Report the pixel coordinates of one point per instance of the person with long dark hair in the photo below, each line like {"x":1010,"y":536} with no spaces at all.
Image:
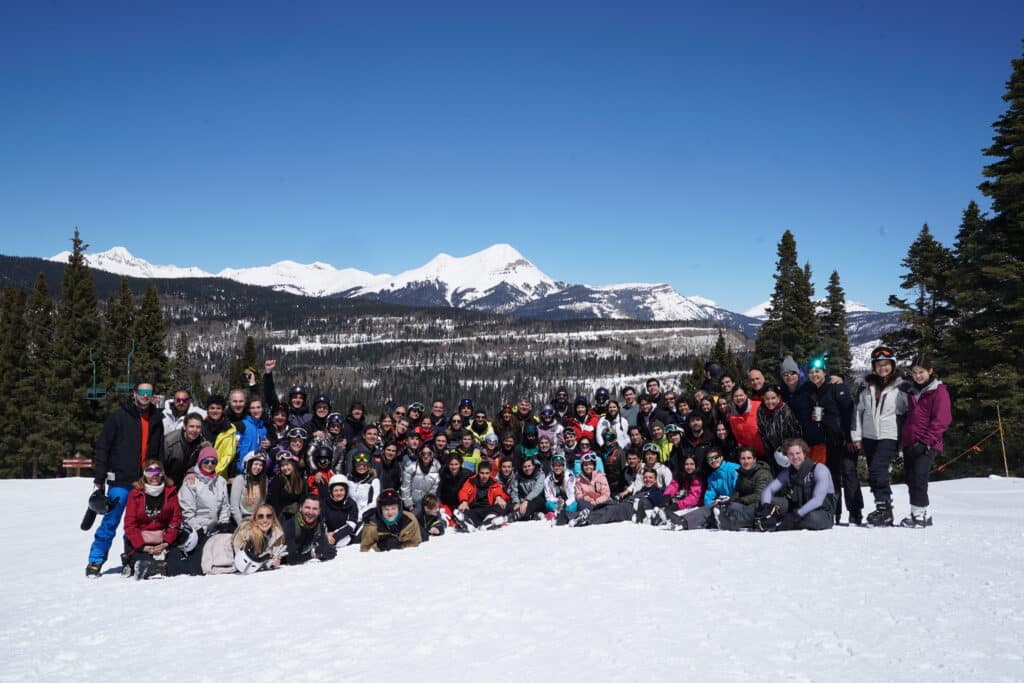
{"x":928,"y":418}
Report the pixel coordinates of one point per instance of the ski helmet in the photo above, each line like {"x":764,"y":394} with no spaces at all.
{"x":100,"y":503}
{"x":322,"y":398}
{"x":581,"y":400}
{"x":601,"y":396}
{"x":335,"y":418}
{"x":781,"y":459}
{"x":297,"y":390}
{"x":188,"y":538}
{"x":338,"y":480}
{"x":322,"y":456}
{"x":548,"y":411}
{"x":881,"y":353}
{"x":491,"y":439}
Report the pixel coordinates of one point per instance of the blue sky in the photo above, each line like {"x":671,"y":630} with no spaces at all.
{"x":626,"y":142}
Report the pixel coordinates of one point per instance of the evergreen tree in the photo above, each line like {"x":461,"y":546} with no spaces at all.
{"x":13,"y":349}
{"x":198,"y":389}
{"x":118,"y":328}
{"x":181,"y":373}
{"x":723,"y":354}
{"x":791,"y":327}
{"x":78,"y":330}
{"x":150,"y":361}
{"x":927,"y":265}
{"x":247,"y":359}
{"x":835,"y":344}
{"x":40,"y":450}
{"x":695,"y":379}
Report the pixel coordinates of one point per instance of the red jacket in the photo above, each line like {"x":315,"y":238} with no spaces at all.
{"x":467,"y":494}
{"x":586,"y":428}
{"x":744,"y":428}
{"x":136,"y":520}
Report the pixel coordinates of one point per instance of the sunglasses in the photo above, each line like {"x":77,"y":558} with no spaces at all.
{"x":264,"y":516}
{"x":154,"y":471}
{"x":208,"y":461}
{"x":143,"y":392}
{"x":180,"y":401}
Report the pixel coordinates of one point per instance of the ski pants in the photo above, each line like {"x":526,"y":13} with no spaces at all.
{"x":104,"y":537}
{"x":916,"y":468}
{"x":843,"y":466}
{"x":815,"y":520}
{"x":611,"y":512}
{"x":477,"y":515}
{"x":737,"y":516}
{"x":533,"y":506}
{"x":879,"y":454}
{"x":697,"y":518}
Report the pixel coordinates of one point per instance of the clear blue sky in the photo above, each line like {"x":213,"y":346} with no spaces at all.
{"x":630,"y":142}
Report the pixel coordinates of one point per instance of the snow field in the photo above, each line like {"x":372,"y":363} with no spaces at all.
{"x":531,"y":602}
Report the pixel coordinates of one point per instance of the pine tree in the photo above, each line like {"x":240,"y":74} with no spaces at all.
{"x":181,"y":373}
{"x":78,"y":330}
{"x":198,"y":389}
{"x":791,"y":327}
{"x":150,"y":362}
{"x":13,"y":349}
{"x":835,"y":344}
{"x":927,"y":265}
{"x":118,"y":328}
{"x":40,"y":450}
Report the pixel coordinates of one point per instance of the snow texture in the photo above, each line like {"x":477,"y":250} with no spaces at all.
{"x":532,"y":602}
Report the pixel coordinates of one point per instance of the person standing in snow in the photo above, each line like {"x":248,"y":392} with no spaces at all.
{"x":131,"y":435}
{"x":928,"y":418}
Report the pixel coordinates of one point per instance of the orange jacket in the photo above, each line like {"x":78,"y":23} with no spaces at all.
{"x":467,"y":494}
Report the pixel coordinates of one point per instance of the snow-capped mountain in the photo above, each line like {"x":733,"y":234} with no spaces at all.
{"x":312,"y":279}
{"x":760,"y":311}
{"x":120,"y":261}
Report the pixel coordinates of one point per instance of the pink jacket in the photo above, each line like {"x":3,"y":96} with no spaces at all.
{"x":691,"y":497}
{"x":595,"y":487}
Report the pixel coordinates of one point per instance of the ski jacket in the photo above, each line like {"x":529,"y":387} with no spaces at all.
{"x":179,"y":455}
{"x":686,"y":492}
{"x":223,"y":436}
{"x":241,"y":502}
{"x":587,"y":427}
{"x":137,"y":519}
{"x":775,"y":426}
{"x":721,"y":481}
{"x":618,"y":424}
{"x":450,"y":485}
{"x":614,"y":460}
{"x":567,"y":492}
{"x":389,"y":473}
{"x":750,"y":483}
{"x":365,"y":493}
{"x":283,"y":502}
{"x":595,"y":486}
{"x":643,"y":422}
{"x":479,"y":436}
{"x":470,"y":490}
{"x":529,"y":488}
{"x":341,"y":519}
{"x":378,"y":535}
{"x":878,"y":410}
{"x":664,"y":477}
{"x":249,"y":440}
{"x":834,"y":428}
{"x":204,"y":502}
{"x":807,"y":489}
{"x":428,"y":522}
{"x":928,"y":414}
{"x":173,"y":422}
{"x":553,"y":431}
{"x":416,"y":483}
{"x":744,"y":427}
{"x":306,"y":543}
{"x":119,"y":453}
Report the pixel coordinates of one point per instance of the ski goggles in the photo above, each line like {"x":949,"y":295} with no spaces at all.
{"x":883,"y":353}
{"x":298,"y":433}
{"x":154,"y":471}
{"x":651,"y":448}
{"x":588,"y":457}
{"x":361,"y":457}
{"x":417,"y":406}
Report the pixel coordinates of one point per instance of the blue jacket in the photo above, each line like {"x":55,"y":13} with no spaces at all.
{"x":721,"y":482}
{"x":249,"y":441}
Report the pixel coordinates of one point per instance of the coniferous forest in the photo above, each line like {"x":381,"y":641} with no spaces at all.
{"x":72,"y":340}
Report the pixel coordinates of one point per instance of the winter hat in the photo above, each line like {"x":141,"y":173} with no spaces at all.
{"x":215,"y":400}
{"x":388,"y":497}
{"x":530,"y":428}
{"x":788,"y":365}
{"x":581,"y":400}
{"x":206,"y":452}
{"x":250,"y":457}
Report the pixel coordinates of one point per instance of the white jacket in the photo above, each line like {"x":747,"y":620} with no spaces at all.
{"x":171,"y":423}
{"x":877,"y":420}
{"x":619,"y":425}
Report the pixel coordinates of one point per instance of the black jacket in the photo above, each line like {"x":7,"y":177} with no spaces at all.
{"x":118,"y":457}
{"x":306,"y":543}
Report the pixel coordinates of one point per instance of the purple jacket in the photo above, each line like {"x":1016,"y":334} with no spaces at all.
{"x":928,"y":414}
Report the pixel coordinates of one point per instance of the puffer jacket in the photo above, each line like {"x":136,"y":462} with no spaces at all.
{"x":928,"y":414}
{"x":876,"y":415}
{"x":594,"y":486}
{"x":364,"y":492}
{"x":378,"y":535}
{"x":416,"y":483}
{"x":619,"y":425}
{"x":686,"y":493}
{"x":744,"y":427}
{"x":173,"y":422}
{"x":204,"y":502}
{"x":118,"y":457}
{"x":530,"y":488}
{"x":750,"y":483}
{"x":469,"y":491}
{"x":568,"y":491}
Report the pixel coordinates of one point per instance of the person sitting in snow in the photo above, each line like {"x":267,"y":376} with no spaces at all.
{"x":802,"y":496}
{"x":483,"y":501}
{"x":388,"y":527}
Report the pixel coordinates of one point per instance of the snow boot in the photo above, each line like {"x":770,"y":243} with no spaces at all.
{"x":917,"y":520}
{"x":492,"y":522}
{"x":856,"y":519}
{"x":92,"y":570}
{"x":582,"y":519}
{"x":461,"y":523}
{"x":638,"y":512}
{"x":513,"y":516}
{"x":882,"y":516}
{"x":126,"y":567}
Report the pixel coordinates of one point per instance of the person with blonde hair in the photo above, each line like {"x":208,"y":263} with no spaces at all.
{"x":259,"y":542}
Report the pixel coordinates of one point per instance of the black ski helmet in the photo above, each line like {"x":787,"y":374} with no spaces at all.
{"x":321,"y":398}
{"x":601,"y":396}
{"x":100,"y":503}
{"x":322,"y":456}
{"x":298,"y":390}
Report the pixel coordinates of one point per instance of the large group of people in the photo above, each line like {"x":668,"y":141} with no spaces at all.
{"x":249,"y":482}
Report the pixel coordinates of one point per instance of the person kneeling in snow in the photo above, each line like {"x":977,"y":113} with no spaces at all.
{"x":483,"y":501}
{"x":388,"y":527}
{"x":259,"y":542}
{"x":432,"y":522}
{"x":340,"y":513}
{"x":801,"y":497}
{"x":305,"y":535}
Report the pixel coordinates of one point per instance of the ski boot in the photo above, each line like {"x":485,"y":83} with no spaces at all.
{"x":92,"y":570}
{"x":856,"y":519}
{"x":582,"y":519}
{"x":882,"y":516}
{"x":917,"y":520}
{"x":461,"y":523}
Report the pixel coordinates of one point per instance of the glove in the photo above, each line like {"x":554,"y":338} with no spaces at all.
{"x":767,"y":517}
{"x":915,"y":450}
{"x":389,"y":542}
{"x":224,"y":528}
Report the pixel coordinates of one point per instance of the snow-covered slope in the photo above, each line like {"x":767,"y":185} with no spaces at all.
{"x":309,"y":279}
{"x":760,"y":311}
{"x":120,"y":261}
{"x":618,"y":602}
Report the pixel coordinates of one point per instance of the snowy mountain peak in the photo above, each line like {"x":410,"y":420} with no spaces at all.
{"x":120,"y":261}
{"x":761,"y":310}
